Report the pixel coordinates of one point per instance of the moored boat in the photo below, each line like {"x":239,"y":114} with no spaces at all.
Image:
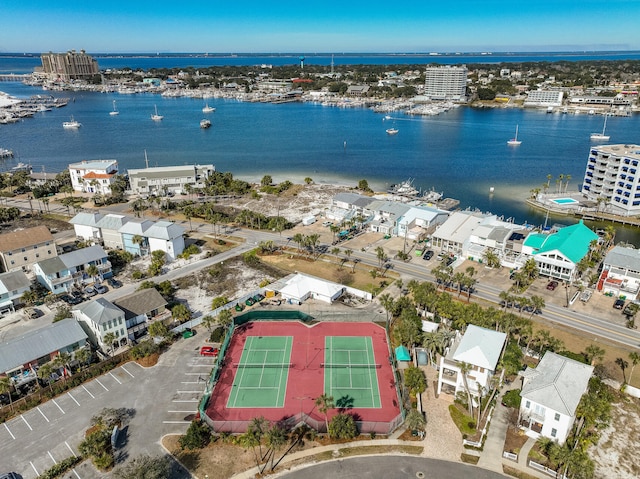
{"x":204,"y":123}
{"x":156,"y":117}
{"x":392,"y":131}
{"x":72,"y":124}
{"x":208,"y":109}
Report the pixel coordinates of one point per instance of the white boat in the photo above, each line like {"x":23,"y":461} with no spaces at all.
{"x":204,"y":123}
{"x":5,"y":153}
{"x":392,"y":131}
{"x":208,"y":109}
{"x":514,"y":141}
{"x":115,"y":110}
{"x":601,"y":136}
{"x":156,"y":117}
{"x":71,"y":125}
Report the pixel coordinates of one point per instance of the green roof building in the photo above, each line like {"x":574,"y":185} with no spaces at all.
{"x":557,"y":254}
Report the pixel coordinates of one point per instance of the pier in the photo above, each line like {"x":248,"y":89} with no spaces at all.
{"x":586,"y":213}
{"x":14,"y":77}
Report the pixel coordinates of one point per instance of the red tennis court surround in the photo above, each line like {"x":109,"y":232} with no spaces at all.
{"x":305,"y":378}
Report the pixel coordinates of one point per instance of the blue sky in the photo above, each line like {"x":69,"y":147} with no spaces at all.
{"x":349,"y":26}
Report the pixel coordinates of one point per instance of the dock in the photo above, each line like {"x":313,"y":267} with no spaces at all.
{"x":587,"y":214}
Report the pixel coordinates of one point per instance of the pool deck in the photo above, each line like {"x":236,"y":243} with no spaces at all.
{"x":579,"y":209}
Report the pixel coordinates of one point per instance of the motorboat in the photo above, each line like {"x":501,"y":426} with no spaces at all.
{"x":392,"y":131}
{"x":71,"y":125}
{"x":208,"y":109}
{"x":204,"y":123}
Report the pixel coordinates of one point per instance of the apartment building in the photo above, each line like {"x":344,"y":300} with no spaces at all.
{"x":69,"y":66}
{"x":19,"y":250}
{"x":446,"y":83}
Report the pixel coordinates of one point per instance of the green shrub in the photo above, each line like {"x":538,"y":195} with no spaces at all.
{"x":60,"y":468}
{"x":197,"y":436}
{"x":217,"y":335}
{"x":512,"y":399}
{"x":137,"y":274}
{"x":144,"y":349}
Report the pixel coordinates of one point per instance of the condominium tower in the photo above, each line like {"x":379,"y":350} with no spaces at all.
{"x":612,"y":178}
{"x":69,"y":66}
{"x":446,"y":83}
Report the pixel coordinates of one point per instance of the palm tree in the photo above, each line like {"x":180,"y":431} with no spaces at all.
{"x":464,"y":370}
{"x":6,"y":385}
{"x":312,"y":242}
{"x":623,"y":365}
{"x":380,"y":254}
{"x":594,"y":352}
{"x":83,"y":356}
{"x":109,"y":339}
{"x":298,"y":238}
{"x":324,"y":403}
{"x":387,"y":303}
{"x":93,"y":271}
{"x":415,"y":420}
{"x":276,"y":438}
{"x":62,"y":361}
{"x":188,"y":213}
{"x":258,"y":426}
{"x":45,"y":371}
{"x":635,"y":359}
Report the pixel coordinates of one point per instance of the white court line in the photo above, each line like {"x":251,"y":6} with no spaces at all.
{"x":69,"y":447}
{"x":186,"y":400}
{"x":34,"y":469}
{"x":54,"y":402}
{"x":117,"y":380}
{"x":122,"y":367}
{"x":51,"y":456}
{"x":74,"y":399}
{"x":10,"y":433}
{"x":74,"y":471}
{"x":87,"y":393}
{"x":25,"y":421}
{"x":105,"y":388}
{"x":40,"y":411}
{"x":176,"y":422}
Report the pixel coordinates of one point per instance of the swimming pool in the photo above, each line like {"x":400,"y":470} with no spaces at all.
{"x":565,"y":201}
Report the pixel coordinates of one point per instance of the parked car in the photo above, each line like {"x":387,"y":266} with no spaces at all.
{"x":619,"y":304}
{"x":250,"y":302}
{"x":552,"y":285}
{"x":101,"y":288}
{"x":114,"y":283}
{"x":428,"y":255}
{"x":71,"y":299}
{"x":258,"y":297}
{"x":90,"y":291}
{"x":33,"y":313}
{"x":208,"y":351}
{"x":188,"y":333}
{"x":9,"y":475}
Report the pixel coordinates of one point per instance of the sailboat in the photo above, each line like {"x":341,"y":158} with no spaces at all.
{"x":115,"y":110}
{"x":156,"y":117}
{"x":208,"y":109}
{"x":514,"y":141}
{"x":601,"y":136}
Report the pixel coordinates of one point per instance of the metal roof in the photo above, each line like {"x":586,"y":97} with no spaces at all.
{"x":136,"y":227}
{"x":83,"y":256}
{"x":35,"y":344}
{"x":624,"y":258}
{"x":100,"y":311}
{"x":112,"y":222}
{"x":166,"y":230}
{"x":557,"y":383}
{"x":14,"y":280}
{"x":572,"y":241}
{"x":480,"y":347}
{"x":51,"y":265}
{"x":86,"y":219}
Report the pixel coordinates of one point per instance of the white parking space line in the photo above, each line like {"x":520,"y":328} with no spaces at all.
{"x":176,"y":422}
{"x":189,"y":382}
{"x":25,"y":421}
{"x":52,"y":458}
{"x":185,"y":412}
{"x":34,"y":469}
{"x":10,"y":433}
{"x":98,"y":381}
{"x":186,"y":400}
{"x":87,"y":393}
{"x":69,"y":447}
{"x":123,"y":368}
{"x":74,"y":471}
{"x":193,"y":374}
{"x":74,"y":399}
{"x":54,"y":402}
{"x":40,"y":411}
{"x":187,"y":392}
{"x":117,"y":380}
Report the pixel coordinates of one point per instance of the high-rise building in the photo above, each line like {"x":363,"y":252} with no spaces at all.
{"x":446,"y":83}
{"x":69,"y":66}
{"x":612,"y":178}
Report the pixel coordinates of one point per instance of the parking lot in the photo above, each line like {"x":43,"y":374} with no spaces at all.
{"x":164,"y":400}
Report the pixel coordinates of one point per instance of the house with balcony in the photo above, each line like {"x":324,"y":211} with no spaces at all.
{"x":20,"y":249}
{"x":345,"y":206}
{"x":99,"y":318}
{"x":93,"y":176}
{"x":166,"y":236}
{"x":385,"y":216}
{"x":621,"y":272}
{"x":85,"y":225}
{"x":21,"y":357}
{"x":141,"y":309}
{"x":68,"y":271}
{"x":109,"y":227}
{"x":453,"y":236}
{"x":12,"y":286}
{"x":557,"y":254}
{"x":161,"y":180}
{"x":480,"y":349}
{"x":503,"y":238}
{"x":550,"y":396}
{"x":134,"y":238}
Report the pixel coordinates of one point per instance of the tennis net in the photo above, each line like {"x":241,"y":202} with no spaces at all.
{"x":359,"y":366}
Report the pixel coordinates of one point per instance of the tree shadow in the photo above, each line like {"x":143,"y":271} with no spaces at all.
{"x":344,"y":403}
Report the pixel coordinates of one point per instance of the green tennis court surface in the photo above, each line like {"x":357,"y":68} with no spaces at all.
{"x":261,"y":375}
{"x":350,"y":371}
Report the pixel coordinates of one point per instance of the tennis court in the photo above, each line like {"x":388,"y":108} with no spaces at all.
{"x":351,"y":372}
{"x":261,"y":375}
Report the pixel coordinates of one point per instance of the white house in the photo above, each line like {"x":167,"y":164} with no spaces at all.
{"x":109,"y":227}
{"x":621,"y":272}
{"x":99,"y":318}
{"x":550,"y":395}
{"x":166,"y":236}
{"x":93,"y":176}
{"x":298,"y":287}
{"x":419,"y":219}
{"x":504,"y":238}
{"x":12,"y":286}
{"x":481,"y":349}
{"x":85,"y":225}
{"x":453,"y":235}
